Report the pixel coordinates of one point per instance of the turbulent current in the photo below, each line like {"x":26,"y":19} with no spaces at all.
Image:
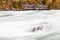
{"x":30,"y":25}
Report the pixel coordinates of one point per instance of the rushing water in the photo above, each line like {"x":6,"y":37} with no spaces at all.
{"x":18,"y":25}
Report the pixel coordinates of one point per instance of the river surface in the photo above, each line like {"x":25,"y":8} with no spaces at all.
{"x":19,"y":25}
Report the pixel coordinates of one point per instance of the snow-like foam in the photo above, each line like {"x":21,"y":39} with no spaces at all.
{"x":19,"y":25}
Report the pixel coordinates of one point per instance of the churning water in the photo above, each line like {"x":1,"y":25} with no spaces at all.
{"x":30,"y":25}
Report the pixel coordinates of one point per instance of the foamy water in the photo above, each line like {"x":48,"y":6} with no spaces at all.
{"x":16,"y":25}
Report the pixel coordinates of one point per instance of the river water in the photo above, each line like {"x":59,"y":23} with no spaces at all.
{"x":18,"y":25}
